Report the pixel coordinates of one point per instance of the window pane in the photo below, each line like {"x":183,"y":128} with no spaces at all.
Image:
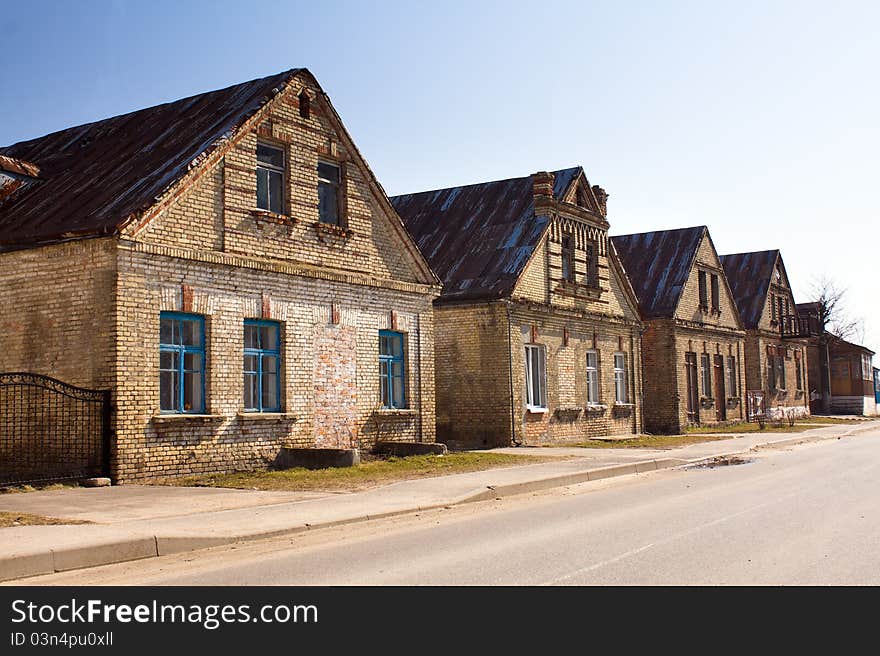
{"x":262,"y":189}
{"x":328,"y":172}
{"x":383,"y":386}
{"x":276,"y":192}
{"x":397,"y":390}
{"x":191,"y":333}
{"x":397,"y":368}
{"x":270,"y":383}
{"x":250,"y":391}
{"x":168,"y":360}
{"x":251,"y":336}
{"x":192,"y":392}
{"x":327,"y":205}
{"x":166,"y":331}
{"x":250,"y":363}
{"x":269,"y":337}
{"x":192,"y":361}
{"x":271,"y":156}
{"x":168,"y":390}
{"x":591,"y":360}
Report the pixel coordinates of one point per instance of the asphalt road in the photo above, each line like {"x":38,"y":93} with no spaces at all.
{"x":806,"y":515}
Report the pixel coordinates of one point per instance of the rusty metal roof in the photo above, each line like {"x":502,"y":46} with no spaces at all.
{"x":749,"y":276}
{"x":658,"y":265}
{"x":478,"y":238}
{"x":95,"y":176}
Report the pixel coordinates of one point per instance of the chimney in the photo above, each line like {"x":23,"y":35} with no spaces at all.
{"x":602,"y":199}
{"x":543,"y":185}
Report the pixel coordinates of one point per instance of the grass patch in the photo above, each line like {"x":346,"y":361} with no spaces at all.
{"x":365,"y":475}
{"x":47,"y":487}
{"x":648,"y":442}
{"x":751,"y":428}
{"x":830,"y":420}
{"x":10,"y":519}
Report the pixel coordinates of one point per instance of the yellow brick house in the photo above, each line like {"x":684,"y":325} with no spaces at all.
{"x":537,"y":329}
{"x":229,"y":268}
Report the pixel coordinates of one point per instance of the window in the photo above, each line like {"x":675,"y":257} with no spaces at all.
{"x":867,"y":367}
{"x":798,"y":374}
{"x":328,"y":193}
{"x":392,"y":373}
{"x":305,"y":104}
{"x":270,"y":178}
{"x":262,"y":366}
{"x":731,"y":376}
{"x":704,"y":292}
{"x":181,"y":363}
{"x":592,"y":377}
{"x":773,"y":308}
{"x":567,"y":258}
{"x":776,"y":371}
{"x":536,"y":377}
{"x":620,"y":387}
{"x":706,"y":375}
{"x":592,"y":278}
{"x":716,"y":301}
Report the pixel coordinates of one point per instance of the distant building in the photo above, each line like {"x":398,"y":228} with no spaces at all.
{"x":693,"y":340}
{"x":776,"y":338}
{"x":537,"y":329}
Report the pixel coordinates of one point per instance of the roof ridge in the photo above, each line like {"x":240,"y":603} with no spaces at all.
{"x":484,"y":182}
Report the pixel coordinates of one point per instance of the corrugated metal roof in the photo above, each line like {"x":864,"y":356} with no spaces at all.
{"x":94,"y":176}
{"x":478,"y":238}
{"x":749,"y":276}
{"x":658,"y":265}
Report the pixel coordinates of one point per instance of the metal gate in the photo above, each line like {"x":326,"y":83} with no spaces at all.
{"x":51,"y":431}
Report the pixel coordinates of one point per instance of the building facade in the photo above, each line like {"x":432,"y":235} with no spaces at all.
{"x":693,"y":340}
{"x":776,"y":340}
{"x":230,"y":269}
{"x":537,"y":328}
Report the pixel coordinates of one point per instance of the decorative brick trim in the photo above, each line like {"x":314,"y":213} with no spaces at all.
{"x":186,"y":294}
{"x":265,"y":306}
{"x":303,"y":270}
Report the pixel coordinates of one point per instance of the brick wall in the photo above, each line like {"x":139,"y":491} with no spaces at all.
{"x":330,"y":381}
{"x":56,"y":312}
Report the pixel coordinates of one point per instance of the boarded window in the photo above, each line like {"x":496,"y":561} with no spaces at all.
{"x":716,"y":301}
{"x":704,"y":291}
{"x":567,"y":258}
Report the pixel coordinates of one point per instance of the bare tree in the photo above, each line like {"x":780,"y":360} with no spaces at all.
{"x":834,"y":312}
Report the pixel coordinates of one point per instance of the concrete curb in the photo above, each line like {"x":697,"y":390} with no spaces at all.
{"x":139,"y":547}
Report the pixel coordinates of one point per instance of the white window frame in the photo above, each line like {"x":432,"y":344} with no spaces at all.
{"x":592,"y":377}
{"x":336,"y":185}
{"x":706,"y":374}
{"x":536,"y":366}
{"x":732,"y":379}
{"x":272,"y":169}
{"x":621,"y":389}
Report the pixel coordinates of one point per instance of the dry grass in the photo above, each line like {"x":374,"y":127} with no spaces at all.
{"x":362,"y":476}
{"x":10,"y":519}
{"x":648,"y":442}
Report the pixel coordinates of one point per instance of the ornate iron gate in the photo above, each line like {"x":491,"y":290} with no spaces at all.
{"x":51,"y":431}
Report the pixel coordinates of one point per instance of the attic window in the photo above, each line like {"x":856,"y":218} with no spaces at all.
{"x":581,"y":197}
{"x":270,"y":178}
{"x":567,"y":258}
{"x":304,"y":104}
{"x":591,"y":250}
{"x":329,"y":179}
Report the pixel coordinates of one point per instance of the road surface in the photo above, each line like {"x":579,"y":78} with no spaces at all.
{"x":809,"y":514}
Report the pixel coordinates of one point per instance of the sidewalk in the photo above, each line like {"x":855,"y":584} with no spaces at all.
{"x":132,"y":522}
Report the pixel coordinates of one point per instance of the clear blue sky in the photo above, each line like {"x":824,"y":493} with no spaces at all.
{"x":758,"y":119}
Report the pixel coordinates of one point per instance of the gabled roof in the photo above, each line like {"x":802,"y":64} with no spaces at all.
{"x":478,"y":238}
{"x":658,"y":265}
{"x":749,"y":276}
{"x":94,"y":177}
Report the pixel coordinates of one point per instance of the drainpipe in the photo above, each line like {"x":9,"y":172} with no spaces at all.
{"x":636,"y":392}
{"x":510,"y":378}
{"x":419,"y":376}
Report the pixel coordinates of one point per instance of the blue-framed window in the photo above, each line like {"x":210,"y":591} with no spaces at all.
{"x":392,"y":370}
{"x":262,"y":365}
{"x":181,"y":363}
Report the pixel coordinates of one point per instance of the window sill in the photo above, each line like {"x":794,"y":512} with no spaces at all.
{"x":331,"y":230}
{"x":396,"y":412}
{"x":537,"y":411}
{"x":176,"y":417}
{"x":273,"y":217}
{"x":266,"y":416}
{"x":624,"y":405}
{"x":596,"y":407}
